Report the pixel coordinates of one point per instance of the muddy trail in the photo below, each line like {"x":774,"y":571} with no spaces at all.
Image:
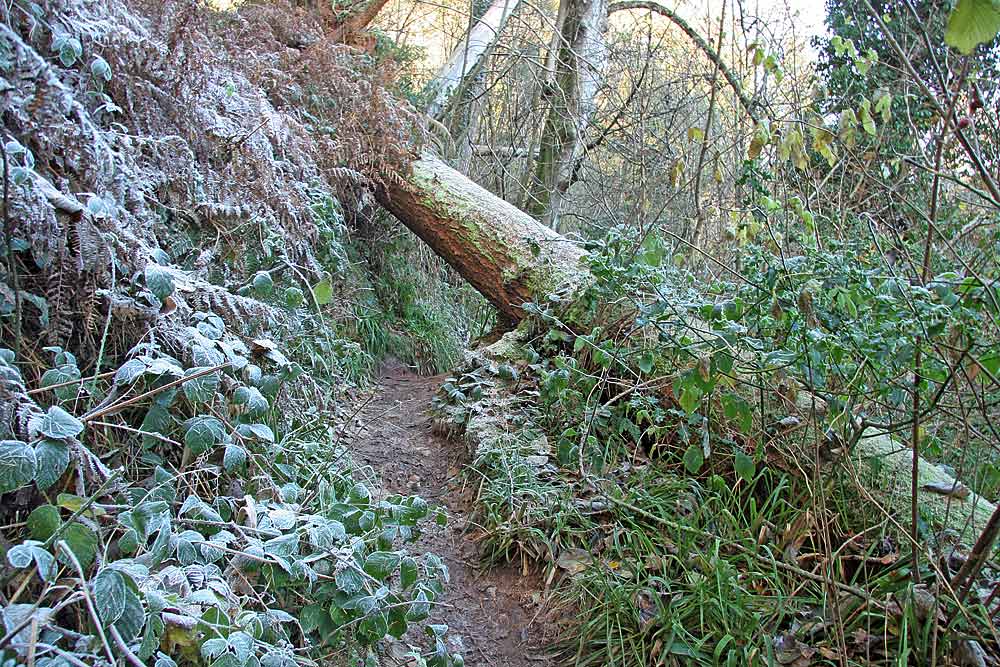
{"x":495,"y":615}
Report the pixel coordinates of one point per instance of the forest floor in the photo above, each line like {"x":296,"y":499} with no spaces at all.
{"x":496,"y":616}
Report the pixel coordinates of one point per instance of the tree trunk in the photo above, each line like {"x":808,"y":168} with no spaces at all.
{"x":358,"y":21}
{"x":579,"y":70}
{"x":469,"y":54}
{"x":513,"y":259}
{"x":502,"y":251}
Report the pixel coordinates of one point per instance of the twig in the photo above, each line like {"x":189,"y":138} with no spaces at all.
{"x":152,"y":392}
{"x":86,"y":596}
{"x":120,"y":642}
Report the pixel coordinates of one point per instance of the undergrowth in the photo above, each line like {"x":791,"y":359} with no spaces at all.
{"x":674,"y":475}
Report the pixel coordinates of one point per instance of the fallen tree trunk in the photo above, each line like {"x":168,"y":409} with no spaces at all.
{"x":502,"y":251}
{"x":512,"y":259}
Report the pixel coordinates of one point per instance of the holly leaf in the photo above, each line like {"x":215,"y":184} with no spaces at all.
{"x":972,"y":22}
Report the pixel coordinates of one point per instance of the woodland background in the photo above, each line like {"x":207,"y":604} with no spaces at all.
{"x":756,"y":424}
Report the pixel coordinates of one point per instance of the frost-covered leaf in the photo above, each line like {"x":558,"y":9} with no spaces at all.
{"x":251,"y":400}
{"x":203,"y":433}
{"x":380,"y":564}
{"x":57,"y":423}
{"x":52,"y":458}
{"x":407,"y":572}
{"x":66,"y":373}
{"x":133,"y":617}
{"x":130,"y":371}
{"x":17,"y":465}
{"x":234,"y":457}
{"x":109,"y":594}
{"x":262,"y":283}
{"x":260,"y":432}
{"x":202,"y":388}
{"x":100,"y":69}
{"x":68,"y":48}
{"x":159,"y":281}
{"x":30,"y":553}
{"x":349,"y":580}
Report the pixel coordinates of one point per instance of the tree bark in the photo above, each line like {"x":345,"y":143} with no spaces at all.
{"x":503,"y":252}
{"x":579,"y":71}
{"x":469,"y":54}
{"x":358,"y":21}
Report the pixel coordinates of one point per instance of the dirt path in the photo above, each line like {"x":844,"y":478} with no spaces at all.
{"x":491,"y":613}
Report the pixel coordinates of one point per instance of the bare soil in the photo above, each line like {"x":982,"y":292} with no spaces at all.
{"x":495,"y":615}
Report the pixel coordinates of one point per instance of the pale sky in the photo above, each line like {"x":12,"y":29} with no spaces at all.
{"x":808,"y":14}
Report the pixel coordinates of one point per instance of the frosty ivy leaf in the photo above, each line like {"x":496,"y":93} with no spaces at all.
{"x":17,"y":465}
{"x":202,"y":388}
{"x":203,"y":433}
{"x":57,"y":423}
{"x":323,"y":291}
{"x":52,"y":458}
{"x":66,"y":373}
{"x":109,"y":594}
{"x":159,"y":281}
{"x":972,"y":22}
